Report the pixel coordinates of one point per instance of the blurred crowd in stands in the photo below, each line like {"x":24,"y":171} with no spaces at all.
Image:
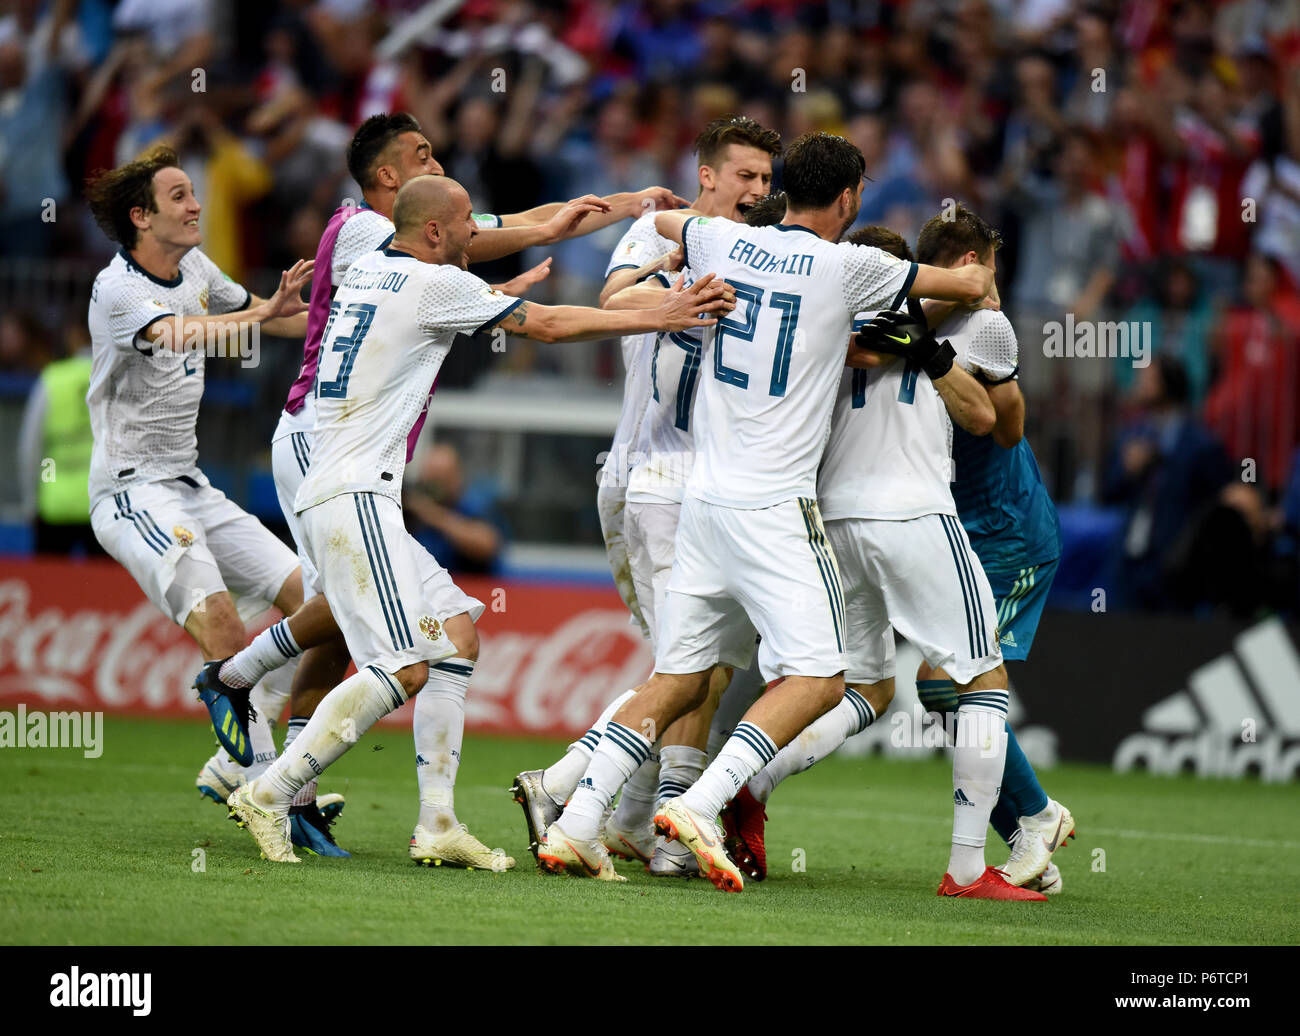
{"x":1142,"y":158}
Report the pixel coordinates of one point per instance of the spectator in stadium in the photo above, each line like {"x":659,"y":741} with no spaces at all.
{"x":32,"y":184}
{"x":459,"y":525}
{"x":54,"y":447}
{"x":1167,"y":470}
{"x":1254,"y":404}
{"x":1181,"y":316}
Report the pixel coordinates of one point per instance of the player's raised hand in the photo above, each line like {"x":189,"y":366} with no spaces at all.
{"x":519,"y":285}
{"x":655,"y":199}
{"x":685,"y":307}
{"x":565,"y":222}
{"x":287,"y":300}
{"x":901,"y":334}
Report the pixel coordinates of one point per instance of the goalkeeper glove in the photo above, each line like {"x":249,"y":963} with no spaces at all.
{"x":901,"y":334}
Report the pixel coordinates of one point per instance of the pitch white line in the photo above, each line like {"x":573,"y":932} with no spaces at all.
{"x":1113,"y":832}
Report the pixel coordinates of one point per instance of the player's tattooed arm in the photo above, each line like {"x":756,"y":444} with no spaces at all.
{"x":515,"y":321}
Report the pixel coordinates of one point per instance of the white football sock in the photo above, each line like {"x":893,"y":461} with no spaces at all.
{"x":978,"y":757}
{"x":620,"y":752}
{"x":560,"y":778}
{"x":269,"y":650}
{"x":307,"y":793}
{"x":818,"y":740}
{"x":262,"y":742}
{"x":439,"y":729}
{"x":272,"y":690}
{"x":746,"y":752}
{"x":680,"y":766}
{"x":340,"y":720}
{"x":637,"y":803}
{"x":745,"y":687}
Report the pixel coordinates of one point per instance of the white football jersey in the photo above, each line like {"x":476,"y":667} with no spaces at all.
{"x":889,"y":456}
{"x":771,"y":366}
{"x":640,"y":245}
{"x":391,"y":324}
{"x":666,"y":445}
{"x":144,"y":399}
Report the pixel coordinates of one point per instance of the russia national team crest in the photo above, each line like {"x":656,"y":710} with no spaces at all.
{"x":203,"y":299}
{"x":183,"y":536}
{"x":430,"y":627}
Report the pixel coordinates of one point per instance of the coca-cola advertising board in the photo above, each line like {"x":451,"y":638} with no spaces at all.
{"x":81,"y":636}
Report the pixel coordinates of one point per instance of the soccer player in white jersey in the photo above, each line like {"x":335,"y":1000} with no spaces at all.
{"x":408,"y":301}
{"x":385,"y":152}
{"x":735,"y":172}
{"x":906,"y":564}
{"x":153,"y":311}
{"x":750,"y":543}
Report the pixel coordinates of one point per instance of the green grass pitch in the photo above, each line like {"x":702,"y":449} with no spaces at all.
{"x":101,"y":851}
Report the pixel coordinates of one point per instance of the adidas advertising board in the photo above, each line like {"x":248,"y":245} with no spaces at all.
{"x":1168,"y":694}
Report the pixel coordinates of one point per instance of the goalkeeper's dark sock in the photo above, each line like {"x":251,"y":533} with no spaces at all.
{"x":1020,"y":789}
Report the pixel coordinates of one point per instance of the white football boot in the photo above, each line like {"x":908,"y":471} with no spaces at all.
{"x":1048,"y":883}
{"x":1034,"y":842}
{"x":269,"y":827}
{"x":457,"y":848}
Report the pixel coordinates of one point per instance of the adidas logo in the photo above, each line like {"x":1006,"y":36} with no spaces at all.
{"x":420,"y":760}
{"x":959,"y":799}
{"x":1239,"y":714}
{"x":1008,"y":638}
{"x":585,"y":782}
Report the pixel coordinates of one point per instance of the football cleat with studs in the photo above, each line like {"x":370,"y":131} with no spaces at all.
{"x":310,"y":831}
{"x":229,"y":709}
{"x":699,"y":834}
{"x":587,"y":858}
{"x":269,"y":827}
{"x":1034,"y":841}
{"x":992,"y":884}
{"x":540,"y":810}
{"x":456,"y":847}
{"x":216,"y":782}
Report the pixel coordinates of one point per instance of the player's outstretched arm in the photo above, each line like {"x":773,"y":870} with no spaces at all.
{"x":518,"y":285}
{"x":647,"y":294}
{"x":509,"y":238}
{"x":671,"y":224}
{"x":617,"y":281}
{"x":678,"y":309}
{"x":280,"y":314}
{"x":623,"y":205}
{"x":966,"y":284}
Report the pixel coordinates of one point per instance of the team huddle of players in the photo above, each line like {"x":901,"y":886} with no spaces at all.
{"x":778,"y":500}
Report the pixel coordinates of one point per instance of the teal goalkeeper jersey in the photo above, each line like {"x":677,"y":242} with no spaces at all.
{"x":1002,"y":503}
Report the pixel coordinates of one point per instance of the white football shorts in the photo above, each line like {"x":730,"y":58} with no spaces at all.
{"x":290,"y":459}
{"x":920,"y":577}
{"x":736,"y":571}
{"x":183,"y":541}
{"x":611,"y":502}
{"x":387,"y":602}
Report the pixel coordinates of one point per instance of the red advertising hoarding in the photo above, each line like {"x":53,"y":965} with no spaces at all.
{"x":81,"y":636}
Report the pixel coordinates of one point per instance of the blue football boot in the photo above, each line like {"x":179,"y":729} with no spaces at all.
{"x":310,"y":831}
{"x":230,"y":711}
